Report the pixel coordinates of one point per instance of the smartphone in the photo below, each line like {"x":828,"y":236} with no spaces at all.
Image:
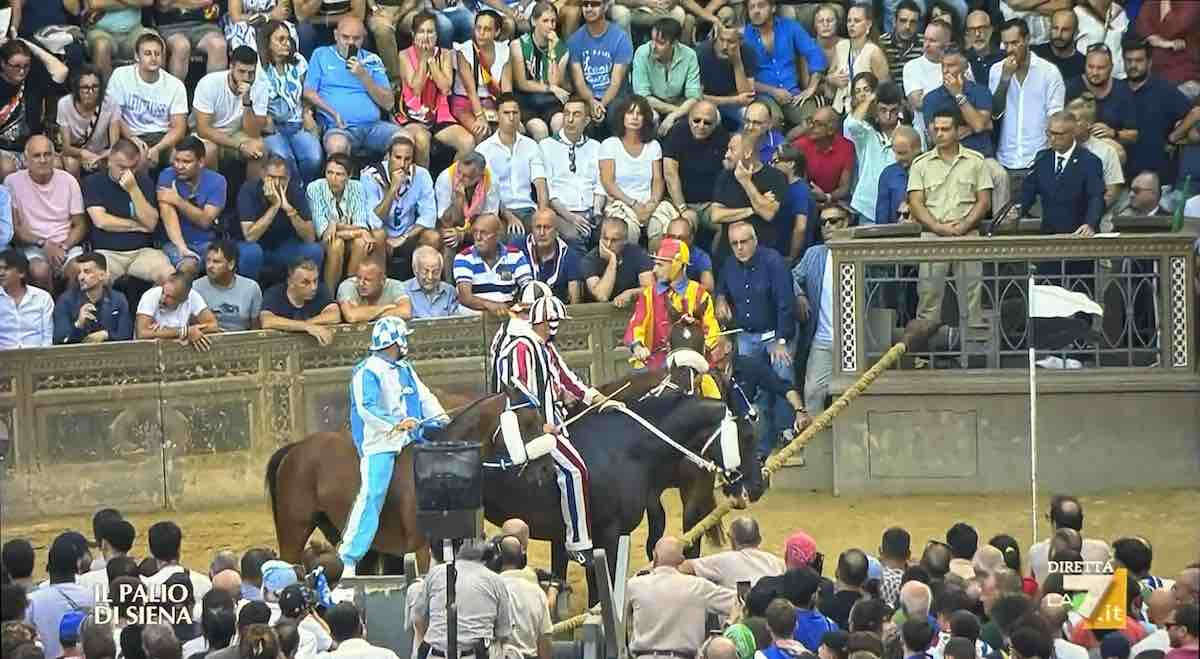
{"x":351,"y":52}
{"x":743,"y":590}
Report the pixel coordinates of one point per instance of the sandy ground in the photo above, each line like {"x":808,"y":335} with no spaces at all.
{"x":1169,"y":519}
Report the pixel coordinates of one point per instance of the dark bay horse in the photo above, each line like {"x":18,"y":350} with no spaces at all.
{"x":624,"y":461}
{"x":312,"y":483}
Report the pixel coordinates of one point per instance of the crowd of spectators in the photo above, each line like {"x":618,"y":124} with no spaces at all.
{"x":961,"y":599}
{"x":178,"y":168}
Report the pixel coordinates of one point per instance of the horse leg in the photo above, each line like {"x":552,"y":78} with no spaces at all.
{"x":656,"y":522}
{"x":698,"y":501}
{"x":558,"y":559}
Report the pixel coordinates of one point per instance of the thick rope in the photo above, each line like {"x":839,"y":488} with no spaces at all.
{"x":776,"y":461}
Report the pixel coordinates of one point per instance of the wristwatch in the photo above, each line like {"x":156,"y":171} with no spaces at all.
{"x":961,"y":99}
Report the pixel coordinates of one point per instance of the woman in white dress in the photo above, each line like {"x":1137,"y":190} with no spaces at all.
{"x":853,"y":56}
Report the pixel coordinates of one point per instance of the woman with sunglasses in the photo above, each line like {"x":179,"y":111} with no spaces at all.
{"x":85,"y":122}
{"x":283,"y":70}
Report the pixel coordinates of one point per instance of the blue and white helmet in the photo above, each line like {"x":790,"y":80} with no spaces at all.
{"x":388,"y":331}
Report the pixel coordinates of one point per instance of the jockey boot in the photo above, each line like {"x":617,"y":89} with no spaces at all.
{"x":348,"y":570}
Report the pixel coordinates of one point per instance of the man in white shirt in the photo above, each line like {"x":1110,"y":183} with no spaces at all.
{"x":26,"y":312}
{"x":516,"y":163}
{"x":165,"y":539}
{"x":175,"y":311}
{"x":746,"y":562}
{"x":230,"y":111}
{"x":346,"y":627}
{"x":572,"y":164}
{"x":924,"y":74}
{"x":1026,"y":90}
{"x":530,"y":608}
{"x":151,"y":104}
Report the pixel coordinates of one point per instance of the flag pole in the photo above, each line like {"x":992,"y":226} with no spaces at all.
{"x":1032,"y":411}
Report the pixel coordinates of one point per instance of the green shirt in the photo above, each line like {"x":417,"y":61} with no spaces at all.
{"x":672,"y":84}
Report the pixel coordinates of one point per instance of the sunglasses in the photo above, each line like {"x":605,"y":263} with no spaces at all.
{"x":834,"y":220}
{"x":700,"y":121}
{"x":591,"y":4}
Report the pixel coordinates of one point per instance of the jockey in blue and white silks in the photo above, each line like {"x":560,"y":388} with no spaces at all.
{"x":528,"y":361}
{"x":389,"y":409}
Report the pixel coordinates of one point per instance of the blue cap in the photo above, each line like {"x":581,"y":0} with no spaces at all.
{"x":277,"y":575}
{"x":68,"y":626}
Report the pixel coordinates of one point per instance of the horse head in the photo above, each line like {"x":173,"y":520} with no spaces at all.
{"x":687,"y":338}
{"x":751,"y":482}
{"x":492,"y":419}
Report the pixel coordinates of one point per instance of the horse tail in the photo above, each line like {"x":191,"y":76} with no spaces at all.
{"x":272,"y":478}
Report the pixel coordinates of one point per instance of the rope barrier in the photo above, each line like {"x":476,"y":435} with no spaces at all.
{"x":776,"y":461}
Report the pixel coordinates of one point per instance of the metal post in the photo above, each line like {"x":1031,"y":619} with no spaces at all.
{"x":620,"y":577}
{"x":451,"y":604}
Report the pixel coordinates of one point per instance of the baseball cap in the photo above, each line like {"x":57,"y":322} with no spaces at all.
{"x":69,"y":625}
{"x":295,"y":599}
{"x":799,"y":549}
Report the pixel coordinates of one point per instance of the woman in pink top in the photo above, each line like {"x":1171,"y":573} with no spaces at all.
{"x":427,"y":76}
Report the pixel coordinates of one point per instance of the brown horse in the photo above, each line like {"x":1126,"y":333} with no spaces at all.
{"x":312,"y":483}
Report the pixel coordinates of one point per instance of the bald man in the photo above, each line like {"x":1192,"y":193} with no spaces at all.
{"x":531,"y":611}
{"x":229,"y":581}
{"x":719,"y":648}
{"x":745,"y":562}
{"x":349,"y":87}
{"x":1187,"y":585}
{"x":829,"y":156}
{"x":517,"y":528}
{"x":669,"y":607}
{"x":47,"y":209}
{"x":1159,"y":606}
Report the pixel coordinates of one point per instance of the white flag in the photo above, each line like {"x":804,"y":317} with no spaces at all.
{"x":1058,"y":302}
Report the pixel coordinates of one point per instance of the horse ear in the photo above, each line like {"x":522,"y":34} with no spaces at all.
{"x":672,"y":314}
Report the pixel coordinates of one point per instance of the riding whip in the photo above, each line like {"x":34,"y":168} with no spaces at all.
{"x":594,"y":405}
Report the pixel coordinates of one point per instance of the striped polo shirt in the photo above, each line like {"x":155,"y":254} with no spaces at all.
{"x":897,"y":56}
{"x":499,"y":282}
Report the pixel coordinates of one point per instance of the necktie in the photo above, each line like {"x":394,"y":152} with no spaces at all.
{"x":1060,"y":161}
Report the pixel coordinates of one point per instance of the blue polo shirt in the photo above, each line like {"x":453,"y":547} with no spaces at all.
{"x":792,"y":41}
{"x":699,"y":262}
{"x":940,"y":100}
{"x":798,"y":202}
{"x":209,"y":190}
{"x":329,"y":76}
{"x":1158,"y":105}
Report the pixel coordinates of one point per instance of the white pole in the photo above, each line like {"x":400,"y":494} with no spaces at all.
{"x":1032,"y":414}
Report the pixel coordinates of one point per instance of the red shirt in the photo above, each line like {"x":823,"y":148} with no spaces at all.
{"x":825,"y":166}
{"x":1182,"y":22}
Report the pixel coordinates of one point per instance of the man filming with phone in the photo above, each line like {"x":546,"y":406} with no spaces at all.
{"x":349,"y":88}
{"x":745,"y":563}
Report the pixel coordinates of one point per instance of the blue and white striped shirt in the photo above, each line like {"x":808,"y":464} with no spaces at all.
{"x":498,"y":283}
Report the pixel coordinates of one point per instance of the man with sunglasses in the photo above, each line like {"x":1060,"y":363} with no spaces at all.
{"x":692,"y":156}
{"x":812,"y":281}
{"x":1183,"y":628}
{"x":571,"y":161}
{"x":982,"y":51}
{"x":1116,"y":116}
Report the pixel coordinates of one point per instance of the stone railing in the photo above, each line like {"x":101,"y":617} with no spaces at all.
{"x":954,"y":416}
{"x":151,"y":424}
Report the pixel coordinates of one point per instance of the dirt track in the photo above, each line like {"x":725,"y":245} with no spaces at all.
{"x":1169,"y":519}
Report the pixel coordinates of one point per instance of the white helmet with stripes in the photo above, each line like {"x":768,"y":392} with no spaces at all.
{"x":530,"y":293}
{"x":548,"y":309}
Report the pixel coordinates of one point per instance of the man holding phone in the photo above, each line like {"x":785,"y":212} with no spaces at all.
{"x":349,"y":88}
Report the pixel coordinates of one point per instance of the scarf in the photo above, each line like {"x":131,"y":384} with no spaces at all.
{"x":571,"y":146}
{"x":286,"y":87}
{"x":537,"y":59}
{"x":483,"y":71}
{"x":478,"y":197}
{"x":427,"y":96}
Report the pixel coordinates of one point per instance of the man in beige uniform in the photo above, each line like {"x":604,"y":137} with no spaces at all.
{"x":746,"y":562}
{"x":484,"y":606}
{"x":531,"y":613}
{"x":668,"y":608}
{"x":949,"y":193}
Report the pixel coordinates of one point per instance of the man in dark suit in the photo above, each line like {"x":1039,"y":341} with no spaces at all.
{"x":1069,"y":181}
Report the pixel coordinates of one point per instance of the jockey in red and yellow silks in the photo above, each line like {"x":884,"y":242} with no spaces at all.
{"x":649,"y":331}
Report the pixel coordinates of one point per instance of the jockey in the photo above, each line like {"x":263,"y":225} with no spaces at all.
{"x":390,"y":408}
{"x":530,"y":362}
{"x":649,"y":330}
{"x":518,"y":316}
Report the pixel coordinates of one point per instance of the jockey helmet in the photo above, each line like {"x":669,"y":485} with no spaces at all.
{"x":530,"y":293}
{"x":388,"y":331}
{"x":675,"y":252}
{"x":550,"y":310}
